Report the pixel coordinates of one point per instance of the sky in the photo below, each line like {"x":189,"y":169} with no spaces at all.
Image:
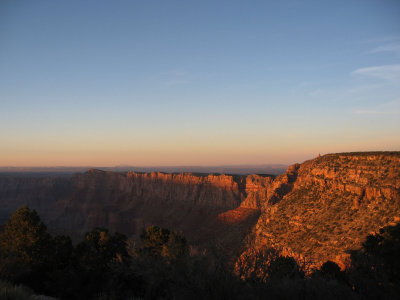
{"x":106,"y":83}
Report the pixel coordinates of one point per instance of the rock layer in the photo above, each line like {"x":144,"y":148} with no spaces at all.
{"x":124,"y":202}
{"x":315,"y":211}
{"x":328,"y":205}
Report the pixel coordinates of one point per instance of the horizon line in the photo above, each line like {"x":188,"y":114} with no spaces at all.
{"x":193,"y":165}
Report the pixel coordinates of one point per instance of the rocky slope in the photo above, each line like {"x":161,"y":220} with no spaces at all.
{"x":319,"y":210}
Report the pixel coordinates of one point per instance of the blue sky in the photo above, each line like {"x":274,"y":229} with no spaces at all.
{"x":196,"y":82}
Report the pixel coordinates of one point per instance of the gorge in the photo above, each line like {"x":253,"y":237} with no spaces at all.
{"x":317,"y":210}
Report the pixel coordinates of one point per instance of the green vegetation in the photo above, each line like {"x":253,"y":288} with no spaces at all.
{"x":163,"y":266}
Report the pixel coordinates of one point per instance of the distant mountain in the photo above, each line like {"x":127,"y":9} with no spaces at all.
{"x":273,"y":169}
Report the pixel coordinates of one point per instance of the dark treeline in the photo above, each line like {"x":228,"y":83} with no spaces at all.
{"x":162,"y":266}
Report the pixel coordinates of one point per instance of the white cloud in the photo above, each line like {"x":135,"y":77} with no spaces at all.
{"x":386,"y":72}
{"x":173,"y":82}
{"x":385,"y":39}
{"x":387,"y":48}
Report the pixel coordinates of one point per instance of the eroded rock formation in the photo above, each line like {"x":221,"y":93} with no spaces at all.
{"x":328,"y":205}
{"x":124,"y":202}
{"x":315,"y":211}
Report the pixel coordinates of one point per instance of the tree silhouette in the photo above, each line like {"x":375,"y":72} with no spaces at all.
{"x":163,"y":242}
{"x":25,"y":237}
{"x":375,"y":268}
{"x":99,"y":249}
{"x":26,"y":249}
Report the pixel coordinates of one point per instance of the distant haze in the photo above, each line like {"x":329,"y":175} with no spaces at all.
{"x":272,"y":169}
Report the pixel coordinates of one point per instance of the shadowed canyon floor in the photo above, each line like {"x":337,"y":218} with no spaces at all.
{"x":317,"y":210}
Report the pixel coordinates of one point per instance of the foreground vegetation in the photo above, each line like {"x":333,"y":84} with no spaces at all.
{"x":162,"y":266}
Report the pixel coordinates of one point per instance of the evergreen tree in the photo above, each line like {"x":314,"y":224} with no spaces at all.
{"x":163,"y":242}
{"x":26,"y":249}
{"x":25,"y":237}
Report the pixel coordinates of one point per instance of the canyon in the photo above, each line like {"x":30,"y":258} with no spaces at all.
{"x":323,"y":208}
{"x":316,"y":211}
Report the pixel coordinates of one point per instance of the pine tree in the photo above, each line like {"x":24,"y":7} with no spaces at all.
{"x":25,"y":238}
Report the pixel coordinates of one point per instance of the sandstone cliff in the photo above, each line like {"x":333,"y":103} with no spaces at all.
{"x":124,"y":202}
{"x":327,"y":206}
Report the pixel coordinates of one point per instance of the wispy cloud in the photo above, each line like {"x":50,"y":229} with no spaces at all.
{"x":395,"y":48}
{"x":175,"y":72}
{"x":175,"y":77}
{"x":173,"y":82}
{"x":386,"y":72}
{"x":317,"y":92}
{"x":385,"y":39}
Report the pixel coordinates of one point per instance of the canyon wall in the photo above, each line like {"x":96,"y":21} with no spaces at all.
{"x":124,"y":202}
{"x":315,"y":211}
{"x":326,"y":206}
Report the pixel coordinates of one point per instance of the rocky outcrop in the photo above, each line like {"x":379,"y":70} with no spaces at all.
{"x":264,"y":191}
{"x":256,"y":191}
{"x":328,"y":205}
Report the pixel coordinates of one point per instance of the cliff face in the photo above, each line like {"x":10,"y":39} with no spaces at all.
{"x":41,"y":193}
{"x":128,"y":203}
{"x":328,"y":205}
{"x":124,"y":202}
{"x":265,"y":191}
